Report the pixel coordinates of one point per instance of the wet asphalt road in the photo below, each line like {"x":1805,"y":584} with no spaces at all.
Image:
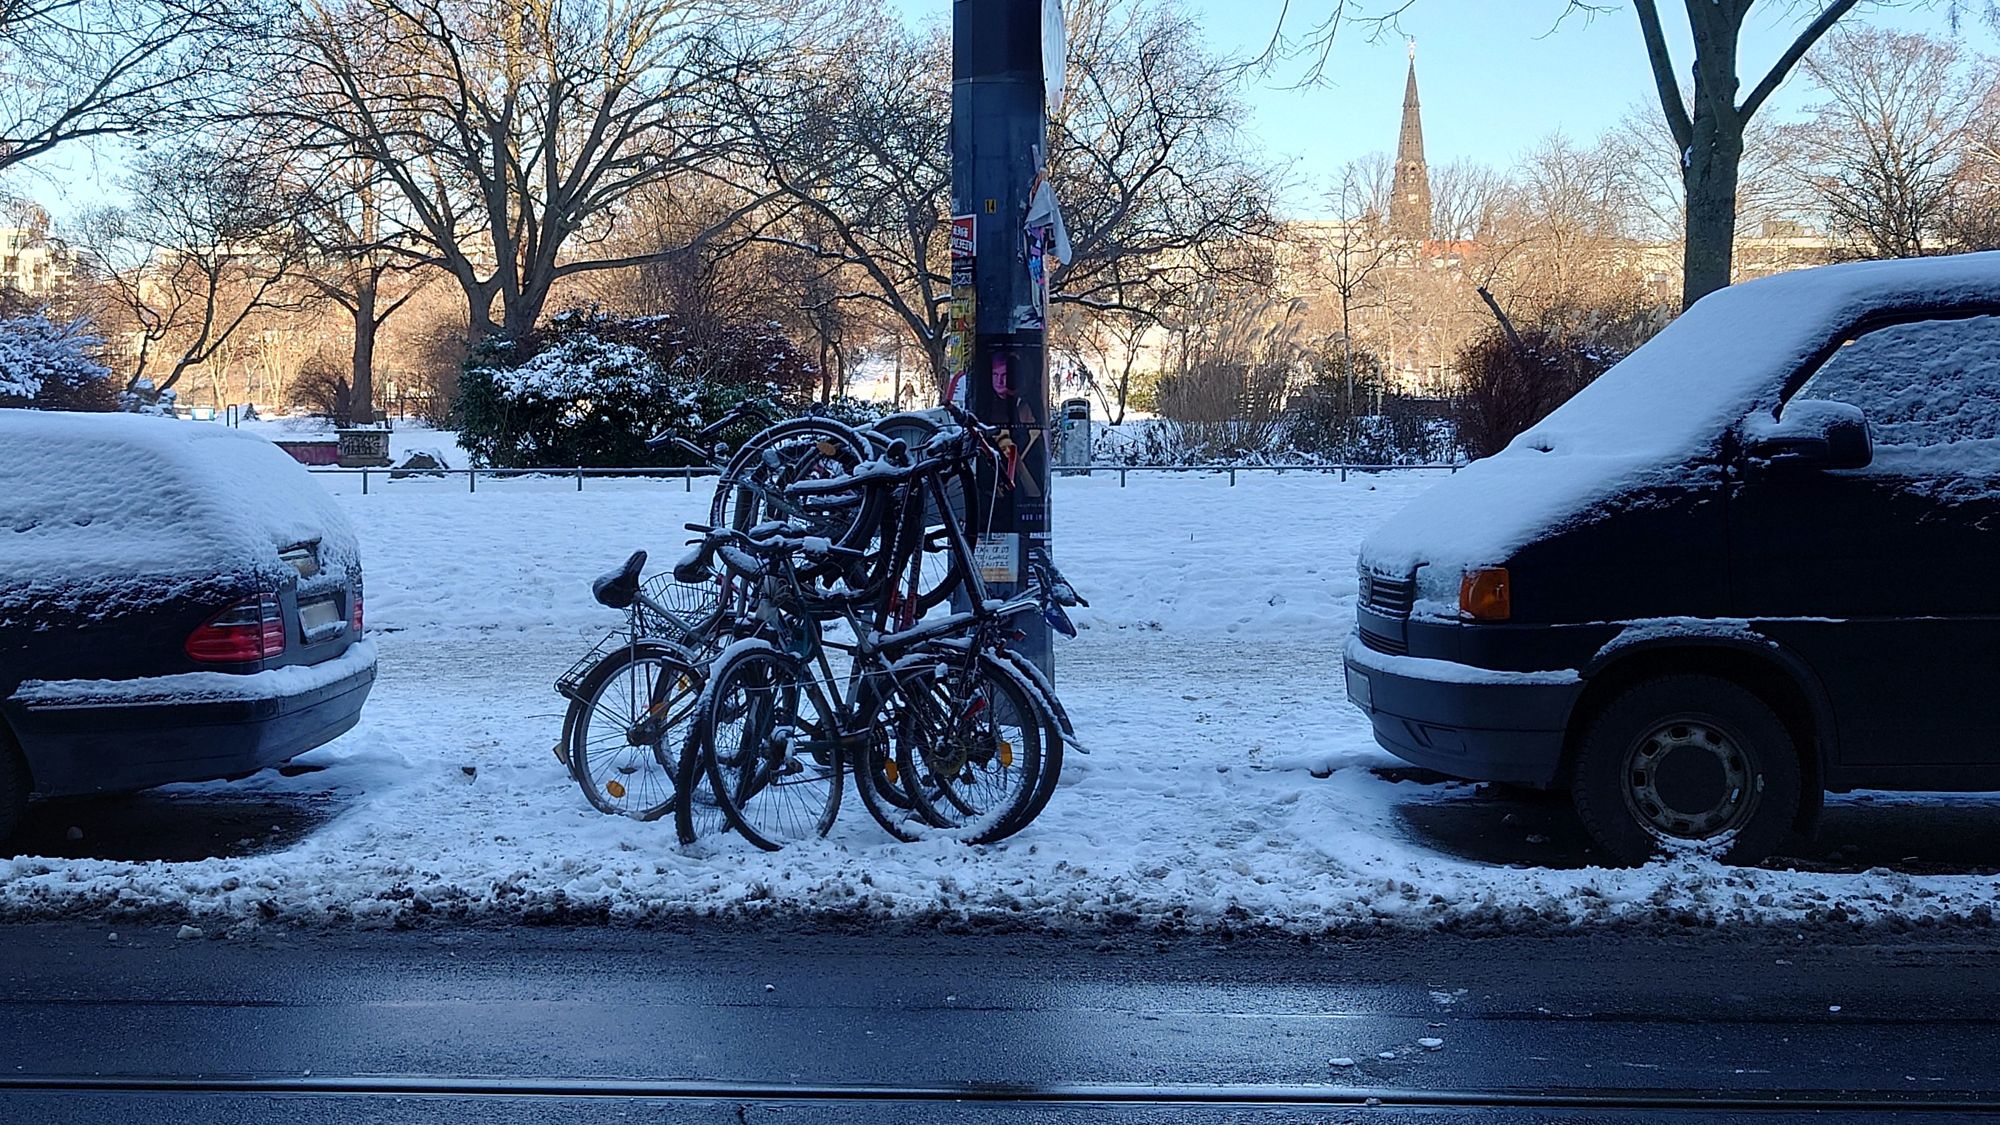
{"x":747,"y":1025}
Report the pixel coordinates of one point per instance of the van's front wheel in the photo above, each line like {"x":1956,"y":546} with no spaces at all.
{"x":1687,"y":762}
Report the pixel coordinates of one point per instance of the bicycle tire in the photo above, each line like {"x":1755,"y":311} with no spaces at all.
{"x":772,"y":786}
{"x":750,"y":489}
{"x":975,"y":767}
{"x":639,"y":779}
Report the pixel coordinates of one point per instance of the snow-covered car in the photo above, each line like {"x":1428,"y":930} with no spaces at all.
{"x":178,"y":602}
{"x":1756,"y":561}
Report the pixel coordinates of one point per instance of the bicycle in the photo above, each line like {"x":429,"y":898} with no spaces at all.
{"x":630,"y":697}
{"x":935,"y":713}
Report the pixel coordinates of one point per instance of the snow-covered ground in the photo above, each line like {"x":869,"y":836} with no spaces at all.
{"x":1228,"y":782}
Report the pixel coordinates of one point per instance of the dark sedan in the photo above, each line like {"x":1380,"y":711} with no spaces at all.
{"x":178,"y":602}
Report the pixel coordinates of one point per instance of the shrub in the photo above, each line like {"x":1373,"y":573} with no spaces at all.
{"x":49,"y":366}
{"x":590,"y":389}
{"x":1504,"y":390}
{"x":322,"y":390}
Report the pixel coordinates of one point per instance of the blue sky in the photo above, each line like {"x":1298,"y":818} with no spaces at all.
{"x":1495,"y":75}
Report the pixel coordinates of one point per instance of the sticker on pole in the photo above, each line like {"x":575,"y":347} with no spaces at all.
{"x":964,"y":228}
{"x":1055,"y":55}
{"x":996,"y":557}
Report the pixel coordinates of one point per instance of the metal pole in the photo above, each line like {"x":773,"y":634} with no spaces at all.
{"x":364,"y":482}
{"x":999,"y":143}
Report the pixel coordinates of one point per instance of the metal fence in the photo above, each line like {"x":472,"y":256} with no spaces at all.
{"x":687,"y":476}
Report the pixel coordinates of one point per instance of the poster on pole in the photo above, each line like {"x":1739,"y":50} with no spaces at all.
{"x":962,"y":316}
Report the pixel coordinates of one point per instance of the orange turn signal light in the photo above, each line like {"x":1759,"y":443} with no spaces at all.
{"x":1486,"y":594}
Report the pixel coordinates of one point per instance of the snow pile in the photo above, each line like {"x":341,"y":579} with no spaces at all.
{"x":93,"y":506}
{"x":1665,"y":406}
{"x":1228,"y":783}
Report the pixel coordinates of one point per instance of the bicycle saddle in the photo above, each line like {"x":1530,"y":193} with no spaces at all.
{"x":619,"y":588}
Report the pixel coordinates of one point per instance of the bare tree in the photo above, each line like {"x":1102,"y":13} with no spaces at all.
{"x":205,"y":243}
{"x":1356,"y":248}
{"x":357,"y":244}
{"x":1708,"y":123}
{"x":1882,"y":155}
{"x":512,"y":133}
{"x":73,"y":70}
{"x":1145,"y":155}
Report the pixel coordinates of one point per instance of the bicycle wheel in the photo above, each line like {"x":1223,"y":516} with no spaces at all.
{"x":972,"y":749}
{"x":771,"y":752}
{"x":628,"y":725}
{"x":1053,"y":724}
{"x":878,"y":777}
{"x":751,"y":489}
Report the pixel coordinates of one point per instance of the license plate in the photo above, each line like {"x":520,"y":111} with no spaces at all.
{"x":316,"y":616}
{"x":1357,"y":690}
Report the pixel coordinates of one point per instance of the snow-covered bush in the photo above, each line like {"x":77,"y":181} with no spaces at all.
{"x":142,"y":397}
{"x":50,"y":366}
{"x":589,"y":388}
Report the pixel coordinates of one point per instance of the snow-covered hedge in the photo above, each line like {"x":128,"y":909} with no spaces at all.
{"x":589,"y":388}
{"x":51,"y":366}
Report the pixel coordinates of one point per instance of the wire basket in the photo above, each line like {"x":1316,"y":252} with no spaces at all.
{"x":692,"y":609}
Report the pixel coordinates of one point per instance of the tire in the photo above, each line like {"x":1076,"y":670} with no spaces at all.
{"x":1687,"y":761}
{"x":971,"y":755}
{"x":935,"y":578}
{"x":15,"y":784}
{"x":771,"y":752}
{"x":1053,"y":723}
{"x":803,"y":447}
{"x":627,"y":729}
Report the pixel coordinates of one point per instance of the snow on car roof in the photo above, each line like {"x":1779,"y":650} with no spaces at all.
{"x":1665,"y":404}
{"x":86,"y":498}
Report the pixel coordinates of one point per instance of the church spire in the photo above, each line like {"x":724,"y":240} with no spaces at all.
{"x":1410,"y":202}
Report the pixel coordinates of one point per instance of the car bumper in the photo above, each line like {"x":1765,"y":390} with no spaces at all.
{"x":108,"y":736}
{"x":1464,"y":721}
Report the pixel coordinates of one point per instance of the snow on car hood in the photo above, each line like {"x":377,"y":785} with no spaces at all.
{"x":1664,"y":406}
{"x":98,"y":507}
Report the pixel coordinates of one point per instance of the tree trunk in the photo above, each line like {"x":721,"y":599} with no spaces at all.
{"x":362,"y":386}
{"x":1713,"y":166}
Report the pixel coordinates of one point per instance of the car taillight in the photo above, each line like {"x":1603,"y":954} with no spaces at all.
{"x":354,"y":618}
{"x":249,"y":630}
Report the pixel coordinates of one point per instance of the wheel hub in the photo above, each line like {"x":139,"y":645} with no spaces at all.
{"x":1687,"y":778}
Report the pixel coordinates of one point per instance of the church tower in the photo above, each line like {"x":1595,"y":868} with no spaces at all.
{"x":1410,"y":201}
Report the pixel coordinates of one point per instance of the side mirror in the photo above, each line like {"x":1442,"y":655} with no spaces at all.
{"x":1811,"y":434}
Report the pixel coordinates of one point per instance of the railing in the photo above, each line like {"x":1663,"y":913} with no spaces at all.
{"x":1232,"y":470}
{"x":687,"y":476}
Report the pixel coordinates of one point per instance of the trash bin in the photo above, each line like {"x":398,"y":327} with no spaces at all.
{"x":1073,"y":434}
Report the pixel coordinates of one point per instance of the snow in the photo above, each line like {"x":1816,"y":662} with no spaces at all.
{"x":409,"y":436}
{"x":96,"y":504}
{"x":1445,"y":671}
{"x":1229,"y":784}
{"x":198,"y":687}
{"x":1665,"y":405}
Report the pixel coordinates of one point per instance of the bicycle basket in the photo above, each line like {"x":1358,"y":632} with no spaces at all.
{"x":693,"y":610}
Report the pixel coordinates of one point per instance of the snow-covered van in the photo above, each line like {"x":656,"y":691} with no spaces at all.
{"x":1756,"y":561}
{"x":178,"y":602}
